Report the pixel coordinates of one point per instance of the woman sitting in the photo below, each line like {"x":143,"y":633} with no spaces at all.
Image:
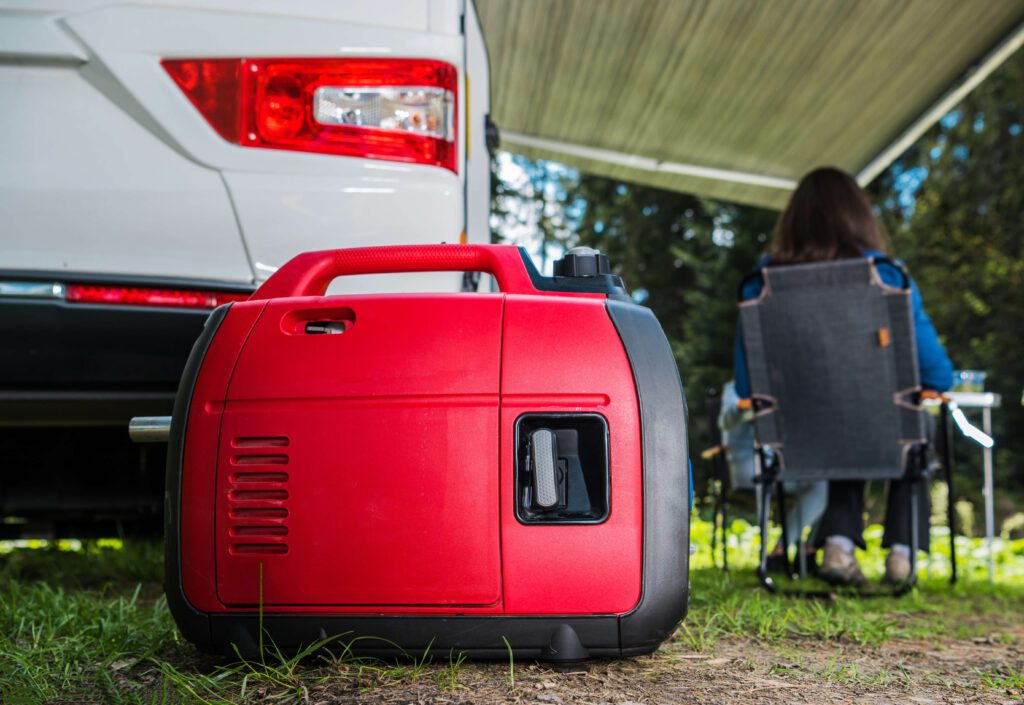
{"x":829,"y":217}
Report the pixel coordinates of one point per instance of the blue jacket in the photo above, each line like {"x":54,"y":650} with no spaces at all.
{"x":933,"y":362}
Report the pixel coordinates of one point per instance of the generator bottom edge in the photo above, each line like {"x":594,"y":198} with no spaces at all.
{"x":550,"y":638}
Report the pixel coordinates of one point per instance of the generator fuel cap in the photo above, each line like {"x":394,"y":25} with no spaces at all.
{"x":582,"y":262}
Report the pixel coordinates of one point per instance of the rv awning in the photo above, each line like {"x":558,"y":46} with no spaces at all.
{"x":735,"y":99}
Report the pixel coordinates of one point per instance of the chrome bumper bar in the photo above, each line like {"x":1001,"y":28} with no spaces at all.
{"x":150,"y":429}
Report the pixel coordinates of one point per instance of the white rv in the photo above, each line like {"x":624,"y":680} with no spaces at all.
{"x":157,"y":158}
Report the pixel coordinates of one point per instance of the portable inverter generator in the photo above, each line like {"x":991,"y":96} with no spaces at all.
{"x":474,"y":471}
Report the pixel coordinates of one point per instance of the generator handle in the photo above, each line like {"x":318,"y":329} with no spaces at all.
{"x":310,"y":273}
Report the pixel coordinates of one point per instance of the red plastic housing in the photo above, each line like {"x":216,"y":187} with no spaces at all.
{"x":371,"y":465}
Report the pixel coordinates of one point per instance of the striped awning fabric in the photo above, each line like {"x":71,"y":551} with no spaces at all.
{"x":735,"y":99}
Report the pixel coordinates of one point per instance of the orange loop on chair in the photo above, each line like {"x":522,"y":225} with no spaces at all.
{"x":709,"y":453}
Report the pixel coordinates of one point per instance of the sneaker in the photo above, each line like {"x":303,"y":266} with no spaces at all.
{"x":897,"y":568}
{"x":840,"y":568}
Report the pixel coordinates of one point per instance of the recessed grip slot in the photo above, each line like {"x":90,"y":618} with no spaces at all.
{"x":326,"y":327}
{"x":322,"y":320}
{"x":562,"y":472}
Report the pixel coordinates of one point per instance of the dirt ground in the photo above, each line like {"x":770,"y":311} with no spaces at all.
{"x":792,"y":671}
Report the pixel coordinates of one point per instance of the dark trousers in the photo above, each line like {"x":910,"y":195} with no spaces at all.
{"x":844,"y":513}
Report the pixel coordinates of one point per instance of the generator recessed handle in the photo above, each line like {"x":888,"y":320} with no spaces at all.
{"x":310,"y":273}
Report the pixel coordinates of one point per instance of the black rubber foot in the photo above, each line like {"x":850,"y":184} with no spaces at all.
{"x":565,"y":647}
{"x":241,"y":644}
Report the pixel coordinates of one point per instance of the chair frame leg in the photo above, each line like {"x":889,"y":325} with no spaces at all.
{"x":715,"y":507}
{"x":947,"y":463}
{"x":915,"y":538}
{"x":781,"y":498}
{"x":725,"y":532}
{"x":801,"y":545}
{"x":916,"y":475}
{"x":764,"y":512}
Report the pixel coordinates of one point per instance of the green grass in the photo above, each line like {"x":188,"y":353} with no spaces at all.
{"x":90,"y":622}
{"x":1011,"y":680}
{"x":729,"y":605}
{"x":56,"y":640}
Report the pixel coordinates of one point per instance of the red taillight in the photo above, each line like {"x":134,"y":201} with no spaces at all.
{"x":212,"y":86}
{"x":395,"y":109}
{"x":143,"y":296}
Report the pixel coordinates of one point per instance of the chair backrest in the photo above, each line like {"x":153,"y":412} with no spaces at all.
{"x":833,"y":370}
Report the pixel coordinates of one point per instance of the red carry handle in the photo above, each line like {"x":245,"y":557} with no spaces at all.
{"x":310,"y":273}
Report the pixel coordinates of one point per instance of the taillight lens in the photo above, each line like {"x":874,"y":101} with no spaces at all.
{"x":394,"y":109}
{"x":144,"y":296}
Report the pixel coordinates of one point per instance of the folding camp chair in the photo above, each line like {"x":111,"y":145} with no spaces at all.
{"x":835,"y":388}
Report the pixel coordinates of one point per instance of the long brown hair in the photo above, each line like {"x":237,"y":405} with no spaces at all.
{"x":828,"y":217}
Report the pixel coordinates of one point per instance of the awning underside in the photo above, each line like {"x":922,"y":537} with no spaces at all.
{"x":734,"y":99}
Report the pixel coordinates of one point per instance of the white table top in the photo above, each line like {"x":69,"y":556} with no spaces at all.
{"x":978,"y":400}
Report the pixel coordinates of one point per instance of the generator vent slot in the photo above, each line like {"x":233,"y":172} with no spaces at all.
{"x":259,"y":513}
{"x":259,"y":531}
{"x":260,"y":442}
{"x":257,"y":497}
{"x":240,"y":477}
{"x":261,"y":549}
{"x":275,"y":459}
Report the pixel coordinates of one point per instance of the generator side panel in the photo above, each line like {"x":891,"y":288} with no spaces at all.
{"x":571,"y":511}
{"x":358,"y":455}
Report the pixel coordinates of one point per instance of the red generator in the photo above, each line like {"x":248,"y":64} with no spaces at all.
{"x":478,"y":472}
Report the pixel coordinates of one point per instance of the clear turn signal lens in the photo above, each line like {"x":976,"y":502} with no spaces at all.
{"x":419,"y":111}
